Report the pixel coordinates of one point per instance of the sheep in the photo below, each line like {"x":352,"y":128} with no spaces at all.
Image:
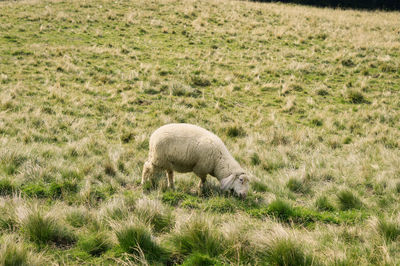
{"x":189,"y":148}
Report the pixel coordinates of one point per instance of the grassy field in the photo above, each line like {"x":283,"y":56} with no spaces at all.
{"x":306,"y":99}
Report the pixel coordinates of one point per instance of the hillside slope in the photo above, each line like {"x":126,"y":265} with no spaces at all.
{"x":306,"y":99}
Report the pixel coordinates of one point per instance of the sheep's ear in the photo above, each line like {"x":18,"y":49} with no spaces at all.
{"x":227,"y":182}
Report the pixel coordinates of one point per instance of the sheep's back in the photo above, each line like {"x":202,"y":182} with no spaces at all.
{"x":181,"y":146}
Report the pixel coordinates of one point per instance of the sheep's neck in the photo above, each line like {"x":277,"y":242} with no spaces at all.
{"x":226,"y":166}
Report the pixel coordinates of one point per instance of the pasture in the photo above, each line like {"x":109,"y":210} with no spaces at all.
{"x":306,"y":99}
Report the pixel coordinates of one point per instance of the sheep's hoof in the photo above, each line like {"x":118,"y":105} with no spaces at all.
{"x":200,"y":189}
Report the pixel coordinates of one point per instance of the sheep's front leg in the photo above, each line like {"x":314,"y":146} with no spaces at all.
{"x":148,"y":172}
{"x":170,"y":175}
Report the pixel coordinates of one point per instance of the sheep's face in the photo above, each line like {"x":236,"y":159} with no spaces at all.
{"x":237,"y":183}
{"x":241,"y":185}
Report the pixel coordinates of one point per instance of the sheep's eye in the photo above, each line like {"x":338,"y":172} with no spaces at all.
{"x":241,"y":180}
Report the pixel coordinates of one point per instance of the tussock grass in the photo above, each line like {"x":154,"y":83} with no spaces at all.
{"x":115,"y":209}
{"x":7,"y":187}
{"x":255,"y":159}
{"x":323,"y":204}
{"x":287,"y":252}
{"x":281,"y":210}
{"x":240,"y":246}
{"x":13,"y":254}
{"x":94,"y":243}
{"x":397,"y":188}
{"x":109,"y":168}
{"x":10,"y":162}
{"x":348,"y":200}
{"x":322,"y":92}
{"x":389,"y":229}
{"x":355,"y":96}
{"x":297,"y":185}
{"x":42,"y":229}
{"x":8,"y":218}
{"x":198,"y":234}
{"x":178,"y":89}
{"x":235,"y":131}
{"x":154,"y":213}
{"x":78,"y":217}
{"x":137,"y":240}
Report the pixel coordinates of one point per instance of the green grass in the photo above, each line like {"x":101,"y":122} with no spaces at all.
{"x":220,"y":205}
{"x":173,"y":197}
{"x":198,"y":259}
{"x":35,"y":190}
{"x":259,"y":186}
{"x":306,"y":100}
{"x":285,"y":212}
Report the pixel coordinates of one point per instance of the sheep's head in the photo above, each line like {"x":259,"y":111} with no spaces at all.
{"x":237,"y":182}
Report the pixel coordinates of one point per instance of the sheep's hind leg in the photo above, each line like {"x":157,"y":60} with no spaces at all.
{"x":170,"y":175}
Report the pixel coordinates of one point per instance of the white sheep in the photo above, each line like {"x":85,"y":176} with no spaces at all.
{"x":188,"y":148}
